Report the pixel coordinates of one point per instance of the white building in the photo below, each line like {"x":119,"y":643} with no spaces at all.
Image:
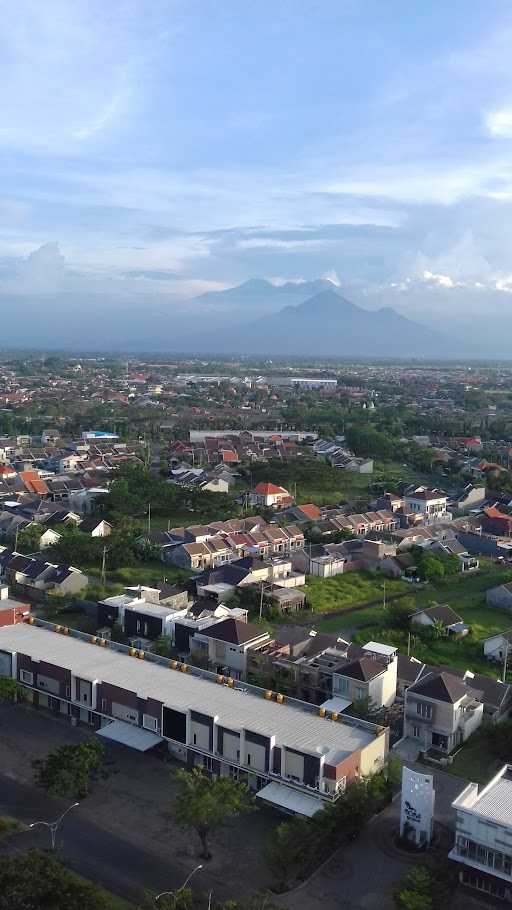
{"x":431,"y":504}
{"x":483,"y":835}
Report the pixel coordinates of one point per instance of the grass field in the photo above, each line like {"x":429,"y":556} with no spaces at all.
{"x":465,"y":595}
{"x":475,"y":760}
{"x":348,"y":590}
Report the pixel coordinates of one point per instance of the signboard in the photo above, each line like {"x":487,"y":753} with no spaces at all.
{"x":417,"y":806}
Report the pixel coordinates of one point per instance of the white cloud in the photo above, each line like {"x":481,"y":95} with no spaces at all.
{"x":270,"y":243}
{"x":499,"y":122}
{"x":332,"y":277}
{"x":444,"y":281}
{"x":278,"y":281}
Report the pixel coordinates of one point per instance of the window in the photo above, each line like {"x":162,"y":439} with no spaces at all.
{"x":248,"y":759}
{"x":27,"y":677}
{"x":416,"y":732}
{"x":103,"y":704}
{"x":150,"y":722}
{"x":68,"y":691}
{"x":423,"y":710}
{"x":340,"y":685}
{"x":360,"y":693}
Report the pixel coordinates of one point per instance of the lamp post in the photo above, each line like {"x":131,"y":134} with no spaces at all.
{"x":183,"y":886}
{"x":53,"y":827}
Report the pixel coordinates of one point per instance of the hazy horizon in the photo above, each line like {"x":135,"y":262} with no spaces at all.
{"x":154,"y":153}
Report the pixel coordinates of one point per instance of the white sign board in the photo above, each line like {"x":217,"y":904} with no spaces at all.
{"x":417,"y":807}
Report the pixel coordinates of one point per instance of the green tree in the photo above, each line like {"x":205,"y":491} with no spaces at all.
{"x":29,"y":538}
{"x":415,"y":890}
{"x":11,"y":691}
{"x":69,"y":770}
{"x":366,"y":709}
{"x":430,"y":568}
{"x":437,"y":629}
{"x":37,"y":881}
{"x":398,"y":612}
{"x":205,"y":804}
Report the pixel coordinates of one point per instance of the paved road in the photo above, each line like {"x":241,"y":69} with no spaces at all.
{"x":96,"y":854}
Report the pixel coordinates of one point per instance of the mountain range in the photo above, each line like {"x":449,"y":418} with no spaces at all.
{"x":318,"y":323}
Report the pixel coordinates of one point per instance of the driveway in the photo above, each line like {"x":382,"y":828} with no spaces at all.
{"x":363,"y":875}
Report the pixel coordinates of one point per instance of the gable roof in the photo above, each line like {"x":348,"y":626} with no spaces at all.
{"x":270,"y":489}
{"x":439,"y":612}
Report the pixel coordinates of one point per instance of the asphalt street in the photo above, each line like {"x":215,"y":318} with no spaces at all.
{"x":99,"y":856}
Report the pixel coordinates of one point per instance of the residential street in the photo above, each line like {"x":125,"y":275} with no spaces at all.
{"x":123,"y":834}
{"x":97,"y":854}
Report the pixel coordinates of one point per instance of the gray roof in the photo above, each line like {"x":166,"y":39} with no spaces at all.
{"x":295,"y":727}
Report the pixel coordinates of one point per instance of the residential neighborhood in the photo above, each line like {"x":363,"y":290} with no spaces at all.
{"x":263,"y":605}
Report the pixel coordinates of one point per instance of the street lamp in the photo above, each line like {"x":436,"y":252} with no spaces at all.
{"x":183,"y":886}
{"x":53,"y":827}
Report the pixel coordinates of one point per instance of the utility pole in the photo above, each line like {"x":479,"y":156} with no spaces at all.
{"x":261,"y":601}
{"x":104,"y":566}
{"x":149,"y":519}
{"x":505,"y":662}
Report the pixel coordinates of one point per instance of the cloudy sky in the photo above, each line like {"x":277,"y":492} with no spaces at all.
{"x":151,"y":151}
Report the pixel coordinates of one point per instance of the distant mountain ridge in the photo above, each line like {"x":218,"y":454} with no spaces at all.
{"x":328,"y":324}
{"x":261,"y":293}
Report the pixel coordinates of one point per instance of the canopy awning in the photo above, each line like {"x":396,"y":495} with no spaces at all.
{"x":289,"y":799}
{"x":129,"y":735}
{"x":336,"y":704}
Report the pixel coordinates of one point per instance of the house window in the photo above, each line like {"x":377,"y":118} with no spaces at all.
{"x":340,"y":685}
{"x":248,"y":760}
{"x":103,"y":704}
{"x":27,"y":677}
{"x":360,"y":693}
{"x":150,"y":723}
{"x":68,"y":691}
{"x":424,"y":710}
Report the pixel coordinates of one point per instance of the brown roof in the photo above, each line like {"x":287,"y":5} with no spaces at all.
{"x":233,"y":631}
{"x":364,"y":669}
{"x":441,"y":687}
{"x":441,"y":612}
{"x":310,"y":510}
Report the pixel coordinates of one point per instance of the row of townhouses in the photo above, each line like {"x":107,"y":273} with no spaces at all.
{"x":295,"y":755}
{"x":200,"y":547}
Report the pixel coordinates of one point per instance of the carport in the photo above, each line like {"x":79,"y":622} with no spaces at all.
{"x":129,"y":735}
{"x":290,"y":800}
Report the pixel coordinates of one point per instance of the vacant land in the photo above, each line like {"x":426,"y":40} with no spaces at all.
{"x":313,"y":480}
{"x":345,"y":591}
{"x":475,"y":760}
{"x":465,"y":595}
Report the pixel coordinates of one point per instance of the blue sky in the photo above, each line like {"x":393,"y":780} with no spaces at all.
{"x":150,"y":151}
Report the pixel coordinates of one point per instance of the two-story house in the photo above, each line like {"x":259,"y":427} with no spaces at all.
{"x":429,"y":504}
{"x":372,"y":676}
{"x":441,"y":712}
{"x":224,"y":646}
{"x":483,"y":836}
{"x":271,"y":496}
